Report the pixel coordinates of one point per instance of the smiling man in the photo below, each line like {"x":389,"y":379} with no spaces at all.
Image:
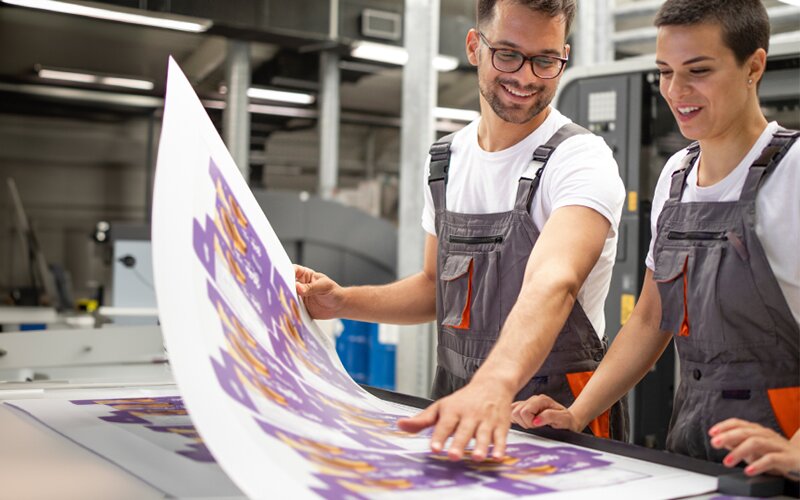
{"x":521,"y":210}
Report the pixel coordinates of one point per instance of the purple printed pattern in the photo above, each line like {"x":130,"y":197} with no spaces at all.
{"x":246,"y":368}
{"x":144,"y":411}
{"x":229,"y":237}
{"x":358,"y":474}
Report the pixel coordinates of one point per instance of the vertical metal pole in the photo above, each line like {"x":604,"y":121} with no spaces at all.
{"x":236,"y":117}
{"x":604,"y":29}
{"x":328,"y":124}
{"x":421,"y":35}
{"x":150,"y":166}
{"x":329,"y":108}
{"x":583,"y":32}
{"x":592,"y":34}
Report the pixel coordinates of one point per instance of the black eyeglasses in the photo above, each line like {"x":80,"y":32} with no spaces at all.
{"x":510,"y":61}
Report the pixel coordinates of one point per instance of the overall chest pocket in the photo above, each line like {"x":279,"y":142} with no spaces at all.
{"x":468,"y":285}
{"x":708,"y":294}
{"x":687,"y":283}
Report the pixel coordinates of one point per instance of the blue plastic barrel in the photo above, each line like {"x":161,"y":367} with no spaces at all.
{"x":381,"y":362}
{"x":352,"y":346}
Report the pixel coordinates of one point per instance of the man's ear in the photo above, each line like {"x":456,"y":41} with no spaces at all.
{"x":566,"y":50}
{"x":473,"y":43}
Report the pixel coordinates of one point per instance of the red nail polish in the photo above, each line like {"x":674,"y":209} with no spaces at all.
{"x":728,"y":461}
{"x":749,"y":470}
{"x":537,"y":421}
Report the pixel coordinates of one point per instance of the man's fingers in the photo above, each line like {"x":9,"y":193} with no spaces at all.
{"x":500,"y":436}
{"x":463,"y":435}
{"x":443,"y":430}
{"x":483,"y":438}
{"x":420,"y":421}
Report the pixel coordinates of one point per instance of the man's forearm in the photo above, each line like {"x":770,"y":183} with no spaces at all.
{"x":408,"y":301}
{"x":528,"y":334}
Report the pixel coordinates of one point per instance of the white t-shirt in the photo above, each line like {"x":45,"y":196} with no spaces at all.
{"x":777,"y":209}
{"x":581,"y":171}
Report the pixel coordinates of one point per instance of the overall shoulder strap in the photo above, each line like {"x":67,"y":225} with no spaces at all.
{"x":767,"y":161}
{"x":679,"y":176}
{"x":527,"y":186}
{"x":439,"y":166}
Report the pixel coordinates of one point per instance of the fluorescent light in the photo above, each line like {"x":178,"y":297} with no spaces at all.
{"x":380,"y":52}
{"x":392,"y":54}
{"x":464,"y":115}
{"x":110,"y":80}
{"x":445,"y":63}
{"x":67,"y":76}
{"x":120,"y":14}
{"x":130,"y":83}
{"x":264,"y":109}
{"x":280,"y":96}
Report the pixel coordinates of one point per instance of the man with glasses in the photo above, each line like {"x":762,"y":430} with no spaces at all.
{"x":521,"y":209}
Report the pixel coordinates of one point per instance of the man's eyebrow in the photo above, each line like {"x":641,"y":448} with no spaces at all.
{"x":512,"y":45}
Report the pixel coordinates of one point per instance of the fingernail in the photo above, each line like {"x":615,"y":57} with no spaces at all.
{"x":750,"y":470}
{"x":537,"y":421}
{"x":728,"y":461}
{"x":437,"y":447}
{"x":716,"y":441}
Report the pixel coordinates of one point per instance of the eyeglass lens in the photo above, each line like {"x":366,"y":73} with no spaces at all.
{"x":510,"y":62}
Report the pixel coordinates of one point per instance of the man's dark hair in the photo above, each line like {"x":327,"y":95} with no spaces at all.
{"x":550,"y":7}
{"x":744,"y":23}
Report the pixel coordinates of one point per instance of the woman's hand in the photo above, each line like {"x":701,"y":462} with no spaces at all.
{"x":764,"y":450}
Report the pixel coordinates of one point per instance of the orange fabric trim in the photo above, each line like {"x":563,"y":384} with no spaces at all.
{"x":464,"y":325}
{"x":600,"y":425}
{"x":684,"y":331}
{"x":785,"y":403}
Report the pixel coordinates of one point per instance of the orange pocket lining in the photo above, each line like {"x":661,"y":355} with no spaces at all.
{"x":785,"y":403}
{"x":600,"y":426}
{"x":684,"y":331}
{"x":464,"y":325}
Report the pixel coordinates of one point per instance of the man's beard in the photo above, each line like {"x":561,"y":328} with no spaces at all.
{"x":515,"y":113}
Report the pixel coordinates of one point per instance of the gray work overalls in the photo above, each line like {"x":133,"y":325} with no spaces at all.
{"x":737,"y":340}
{"x":480,"y":266}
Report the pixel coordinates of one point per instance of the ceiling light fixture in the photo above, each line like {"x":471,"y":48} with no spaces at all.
{"x":120,"y":14}
{"x":79,"y":77}
{"x":281,"y":96}
{"x":462,"y":115}
{"x":392,"y":54}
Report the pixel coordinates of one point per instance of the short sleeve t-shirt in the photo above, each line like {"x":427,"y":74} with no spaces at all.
{"x":777,"y":209}
{"x":582,"y":171}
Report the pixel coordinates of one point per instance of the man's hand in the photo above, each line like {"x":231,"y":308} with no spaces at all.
{"x":479,"y":410}
{"x":543,"y":410}
{"x":763,"y":449}
{"x":323,"y":297}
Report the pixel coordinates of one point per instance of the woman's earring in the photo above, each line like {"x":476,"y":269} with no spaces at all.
{"x":750,"y":81}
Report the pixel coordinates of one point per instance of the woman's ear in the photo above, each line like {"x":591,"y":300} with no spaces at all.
{"x":756,"y":64}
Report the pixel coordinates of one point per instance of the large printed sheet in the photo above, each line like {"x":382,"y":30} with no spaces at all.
{"x":265,"y":389}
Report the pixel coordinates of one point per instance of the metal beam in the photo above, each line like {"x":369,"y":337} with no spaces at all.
{"x":236,"y":117}
{"x":421,"y":34}
{"x":329,"y":118}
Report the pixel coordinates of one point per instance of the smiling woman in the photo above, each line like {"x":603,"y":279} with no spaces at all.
{"x":723,"y":277}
